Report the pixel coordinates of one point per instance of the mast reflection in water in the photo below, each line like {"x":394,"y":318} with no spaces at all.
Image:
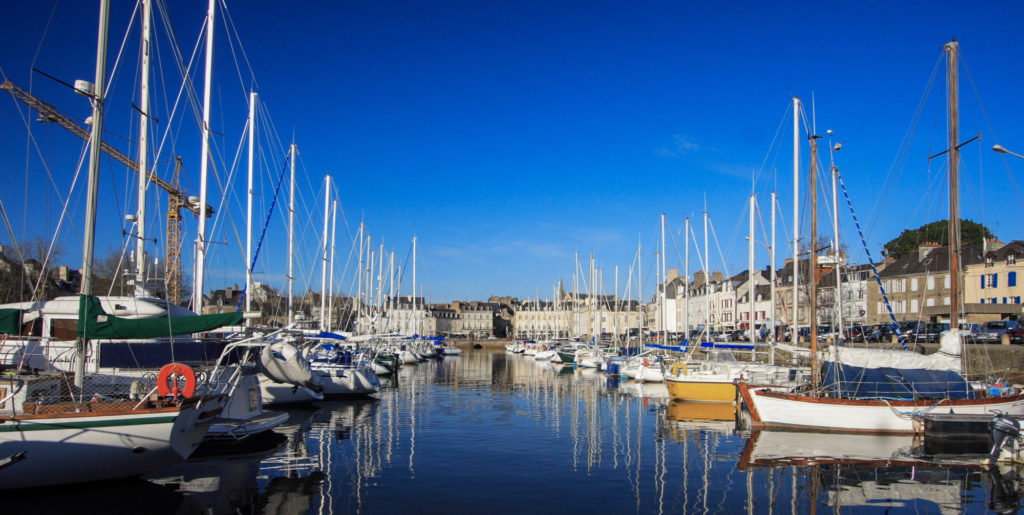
{"x":494,"y":432}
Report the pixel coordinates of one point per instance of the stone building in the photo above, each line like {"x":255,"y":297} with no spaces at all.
{"x":918,"y":285}
{"x":993,"y":289}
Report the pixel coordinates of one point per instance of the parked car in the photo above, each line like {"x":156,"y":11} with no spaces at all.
{"x":993,"y":331}
{"x":933,"y":330}
{"x":854,"y":334}
{"x":880,"y":333}
{"x":911,"y":329}
{"x":1016,"y":334}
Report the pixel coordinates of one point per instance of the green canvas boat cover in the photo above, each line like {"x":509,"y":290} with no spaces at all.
{"x":10,"y":321}
{"x":94,"y":323}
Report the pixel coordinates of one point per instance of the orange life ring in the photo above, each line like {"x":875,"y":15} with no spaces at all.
{"x":169,"y":375}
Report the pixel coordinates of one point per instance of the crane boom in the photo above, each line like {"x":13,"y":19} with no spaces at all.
{"x":50,"y":113}
{"x":176,"y":198}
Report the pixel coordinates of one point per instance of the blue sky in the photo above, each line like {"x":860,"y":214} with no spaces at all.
{"x":509,"y":135}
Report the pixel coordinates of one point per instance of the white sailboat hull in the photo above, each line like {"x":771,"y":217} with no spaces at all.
{"x":782,"y":410}
{"x":71,"y":449}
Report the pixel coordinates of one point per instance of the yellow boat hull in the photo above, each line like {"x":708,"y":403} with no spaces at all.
{"x":682,"y":411}
{"x":688,"y":390}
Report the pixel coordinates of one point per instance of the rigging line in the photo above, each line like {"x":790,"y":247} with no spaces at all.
{"x":120,"y":52}
{"x":901,"y":154}
{"x":259,"y":243}
{"x":14,"y":241}
{"x":33,"y":143}
{"x":60,"y":220}
{"x":719,"y":247}
{"x":775,"y":138}
{"x":991,"y":130}
{"x":885,"y":298}
{"x":232,"y":31}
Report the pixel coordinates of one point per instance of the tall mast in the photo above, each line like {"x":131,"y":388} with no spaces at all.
{"x":771,"y":329}
{"x":95,"y":140}
{"x":664,"y":280}
{"x":813,"y":260}
{"x":835,"y":242}
{"x":952,"y":49}
{"x":291,"y":237}
{"x":197,"y":293}
{"x":323,"y":259}
{"x":359,"y":281}
{"x":707,"y":281}
{"x":248,"y":207}
{"x":415,"y":314}
{"x":796,"y":219}
{"x":330,"y":283}
{"x":640,"y":288}
{"x":686,"y":284}
{"x":140,"y":222}
{"x":750,"y":258}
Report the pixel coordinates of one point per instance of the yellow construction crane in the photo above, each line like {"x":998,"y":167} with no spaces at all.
{"x":176,"y":199}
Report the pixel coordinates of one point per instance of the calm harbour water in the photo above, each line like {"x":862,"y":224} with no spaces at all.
{"x":490,"y":432}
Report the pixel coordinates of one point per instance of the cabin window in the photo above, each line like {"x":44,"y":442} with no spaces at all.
{"x":64,"y":329}
{"x":33,"y":327}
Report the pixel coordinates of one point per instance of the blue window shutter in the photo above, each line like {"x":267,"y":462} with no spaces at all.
{"x":1004,"y":300}
{"x":1011,"y":279}
{"x":982,"y":301}
{"x":995,"y":280}
{"x":982,"y":281}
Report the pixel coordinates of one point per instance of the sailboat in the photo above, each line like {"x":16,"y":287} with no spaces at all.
{"x":53,"y":432}
{"x":881,"y":391}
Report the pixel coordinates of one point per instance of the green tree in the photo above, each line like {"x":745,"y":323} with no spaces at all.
{"x":971,"y":233}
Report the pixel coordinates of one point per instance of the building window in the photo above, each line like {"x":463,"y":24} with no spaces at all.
{"x":982,"y":300}
{"x":1011,"y":259}
{"x":913,"y":284}
{"x":931,"y":282}
{"x":1004,"y":300}
{"x":913,"y":305}
{"x":945,"y":301}
{"x":946,"y":283}
{"x":930,"y":301}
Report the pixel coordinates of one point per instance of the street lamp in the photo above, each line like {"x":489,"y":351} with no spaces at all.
{"x":1002,"y":150}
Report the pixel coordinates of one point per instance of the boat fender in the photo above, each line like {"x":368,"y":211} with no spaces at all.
{"x":645,"y":362}
{"x":169,"y":375}
{"x":677,"y":367}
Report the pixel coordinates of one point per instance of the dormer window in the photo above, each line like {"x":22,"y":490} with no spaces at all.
{"x":988,"y":261}
{"x":1011,"y":259}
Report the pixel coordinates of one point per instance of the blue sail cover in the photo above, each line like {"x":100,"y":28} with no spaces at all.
{"x":895,"y":383}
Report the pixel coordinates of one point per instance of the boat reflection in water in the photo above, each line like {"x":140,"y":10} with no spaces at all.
{"x":864,"y":470}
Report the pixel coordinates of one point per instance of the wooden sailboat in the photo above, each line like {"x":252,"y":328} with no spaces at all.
{"x":879,"y":412}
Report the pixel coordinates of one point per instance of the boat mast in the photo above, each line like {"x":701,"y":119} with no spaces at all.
{"x":686,"y":284}
{"x":640,"y":288}
{"x":248,"y":208}
{"x":291,"y":237}
{"x":952,"y":50}
{"x":813,"y":261}
{"x":415,"y":314}
{"x":796,"y":220}
{"x":664,"y":286}
{"x":359,"y":281}
{"x":323,"y":259}
{"x":330,"y":280}
{"x":750,"y":260}
{"x":140,"y":222}
{"x":707,"y":281}
{"x":771,"y":329}
{"x":197,"y":293}
{"x":95,"y":141}
{"x":835,"y":240}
